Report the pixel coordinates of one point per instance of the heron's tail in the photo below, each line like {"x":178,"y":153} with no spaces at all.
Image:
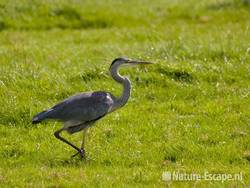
{"x":40,"y":117}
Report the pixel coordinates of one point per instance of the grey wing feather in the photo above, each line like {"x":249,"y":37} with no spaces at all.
{"x":81,"y":108}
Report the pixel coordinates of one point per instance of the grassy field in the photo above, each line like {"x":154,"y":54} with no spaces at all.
{"x":189,"y":112}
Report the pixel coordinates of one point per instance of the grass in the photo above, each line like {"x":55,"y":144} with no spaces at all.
{"x":189,"y":112}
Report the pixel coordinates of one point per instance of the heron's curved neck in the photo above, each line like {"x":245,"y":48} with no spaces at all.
{"x":122,"y":100}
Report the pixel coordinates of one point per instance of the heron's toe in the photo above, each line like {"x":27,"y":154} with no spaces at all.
{"x":81,"y":152}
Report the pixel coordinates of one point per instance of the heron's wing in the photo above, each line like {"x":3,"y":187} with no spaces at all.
{"x":82,"y":108}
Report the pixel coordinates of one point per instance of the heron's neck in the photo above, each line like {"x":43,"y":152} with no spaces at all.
{"x":122,"y":100}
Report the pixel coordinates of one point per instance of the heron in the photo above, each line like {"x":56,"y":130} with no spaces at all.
{"x":81,"y":111}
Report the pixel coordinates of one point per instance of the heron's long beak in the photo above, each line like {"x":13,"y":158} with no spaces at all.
{"x":139,"y":62}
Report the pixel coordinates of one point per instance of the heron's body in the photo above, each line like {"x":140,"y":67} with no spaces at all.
{"x":80,"y":111}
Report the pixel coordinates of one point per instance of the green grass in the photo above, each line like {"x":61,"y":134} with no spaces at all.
{"x":189,"y":112}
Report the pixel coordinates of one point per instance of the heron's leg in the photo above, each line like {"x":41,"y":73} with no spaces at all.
{"x":57,"y":135}
{"x":83,"y":142}
{"x":85,"y":131}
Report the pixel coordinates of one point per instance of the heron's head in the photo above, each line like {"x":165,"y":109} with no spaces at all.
{"x":128,"y":62}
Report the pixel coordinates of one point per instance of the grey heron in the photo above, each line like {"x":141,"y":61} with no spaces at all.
{"x":82,"y":110}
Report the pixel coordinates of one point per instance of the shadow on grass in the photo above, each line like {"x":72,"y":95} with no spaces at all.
{"x":21,"y":117}
{"x":177,"y":75}
{"x":90,"y":75}
{"x":3,"y":25}
{"x":69,"y":162}
{"x":66,"y":12}
{"x":11,"y":152}
{"x":62,"y":18}
{"x":229,"y":5}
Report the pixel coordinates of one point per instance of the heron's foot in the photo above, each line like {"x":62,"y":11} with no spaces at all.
{"x":81,"y":152}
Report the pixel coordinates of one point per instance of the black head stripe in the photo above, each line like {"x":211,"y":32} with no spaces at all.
{"x":118,"y":59}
